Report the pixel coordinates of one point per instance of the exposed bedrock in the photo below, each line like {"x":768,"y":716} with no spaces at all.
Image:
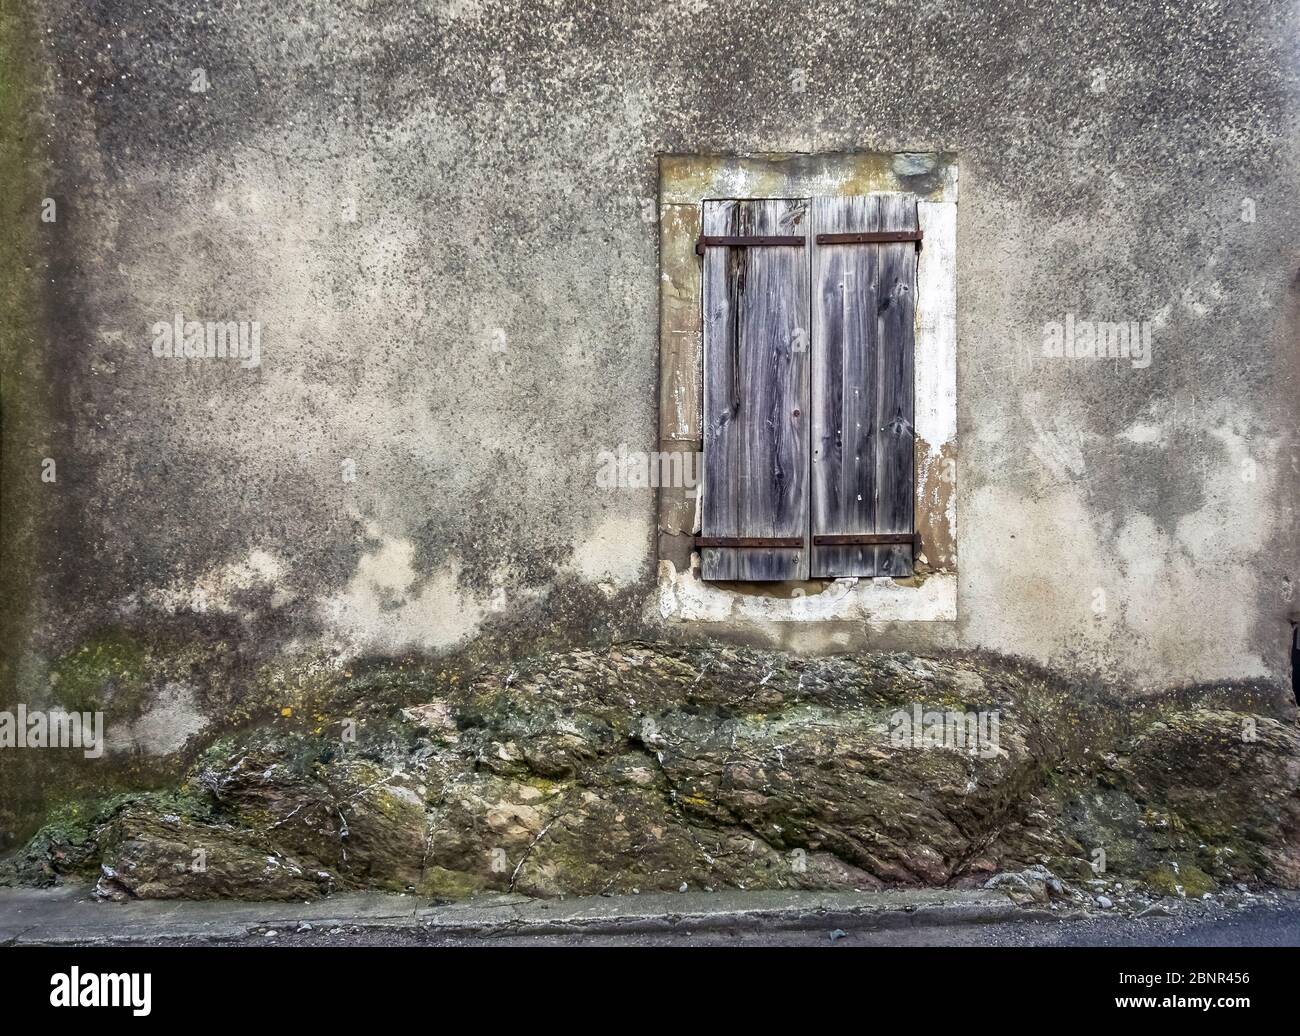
{"x":646,"y":767}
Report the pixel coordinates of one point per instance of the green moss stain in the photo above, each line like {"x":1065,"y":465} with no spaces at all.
{"x":1189,"y":881}
{"x":70,"y":842}
{"x":110,"y":671}
{"x":24,"y":391}
{"x":442,"y":883}
{"x":26,"y":403}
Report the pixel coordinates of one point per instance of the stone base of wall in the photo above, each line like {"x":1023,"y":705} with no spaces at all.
{"x":648,"y":767}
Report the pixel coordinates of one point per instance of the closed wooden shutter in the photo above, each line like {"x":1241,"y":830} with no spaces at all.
{"x":864,"y":296}
{"x":754,"y":521}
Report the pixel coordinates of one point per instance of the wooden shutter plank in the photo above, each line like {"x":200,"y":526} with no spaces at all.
{"x":844,"y":373}
{"x":755,"y":390}
{"x":896,"y":454}
{"x":862,"y":384}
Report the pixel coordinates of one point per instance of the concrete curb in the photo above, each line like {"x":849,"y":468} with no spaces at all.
{"x":69,"y":915}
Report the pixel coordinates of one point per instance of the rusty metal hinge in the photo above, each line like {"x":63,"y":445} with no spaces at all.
{"x":760,"y":241}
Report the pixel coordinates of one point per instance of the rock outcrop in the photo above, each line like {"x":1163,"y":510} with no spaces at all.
{"x":647,"y":767}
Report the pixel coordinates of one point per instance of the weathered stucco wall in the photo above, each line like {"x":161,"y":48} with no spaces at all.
{"x":442,"y":216}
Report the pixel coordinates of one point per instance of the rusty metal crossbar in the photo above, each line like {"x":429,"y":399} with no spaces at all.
{"x":875,"y":237}
{"x":749,"y":541}
{"x":867,"y":539}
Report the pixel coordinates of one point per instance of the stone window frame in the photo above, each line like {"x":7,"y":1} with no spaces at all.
{"x":685,"y":181}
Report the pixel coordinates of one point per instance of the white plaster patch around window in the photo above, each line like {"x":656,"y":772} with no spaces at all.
{"x":687,"y":597}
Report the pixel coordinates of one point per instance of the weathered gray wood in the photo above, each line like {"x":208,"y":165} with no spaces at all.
{"x":896,"y":454}
{"x":756,"y":418}
{"x":862,"y":435}
{"x":843,"y":380}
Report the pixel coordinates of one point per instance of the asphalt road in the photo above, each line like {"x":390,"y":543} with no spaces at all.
{"x":1264,"y":925}
{"x":69,"y":915}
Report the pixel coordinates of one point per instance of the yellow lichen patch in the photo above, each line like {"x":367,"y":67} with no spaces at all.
{"x":869,"y":174}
